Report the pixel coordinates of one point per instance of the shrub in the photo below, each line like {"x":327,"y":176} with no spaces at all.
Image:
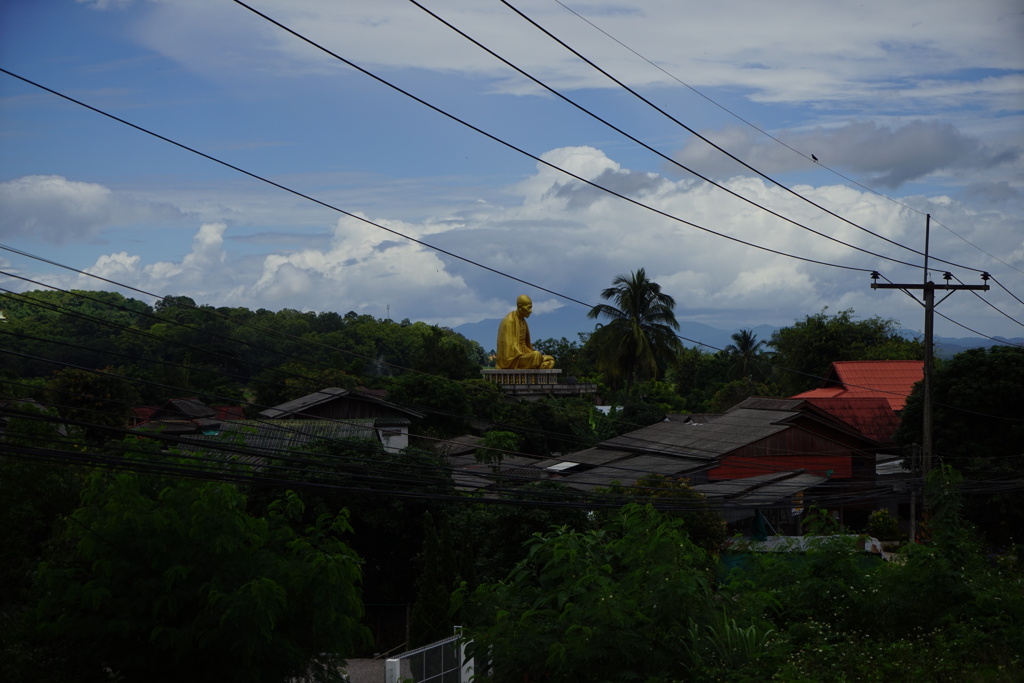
{"x":607,"y":605}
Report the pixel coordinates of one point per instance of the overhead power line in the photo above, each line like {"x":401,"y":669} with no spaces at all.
{"x":664,"y":156}
{"x":362,"y":219}
{"x":271,"y":331}
{"x":296,"y":192}
{"x":306,"y":469}
{"x":366,"y":476}
{"x":536,"y":158}
{"x":776,"y":139}
{"x":555,"y":167}
{"x":747,"y":122}
{"x":690,"y":130}
{"x":569,"y":298}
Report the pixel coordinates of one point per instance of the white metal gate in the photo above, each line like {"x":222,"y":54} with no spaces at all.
{"x":441,"y":662}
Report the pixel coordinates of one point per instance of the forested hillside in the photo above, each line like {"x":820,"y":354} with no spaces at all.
{"x":179,"y":348}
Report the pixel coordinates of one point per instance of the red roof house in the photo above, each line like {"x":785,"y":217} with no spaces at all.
{"x":867,"y":394}
{"x":872,"y":416}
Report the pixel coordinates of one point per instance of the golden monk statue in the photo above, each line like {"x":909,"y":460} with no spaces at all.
{"x":515,"y":352}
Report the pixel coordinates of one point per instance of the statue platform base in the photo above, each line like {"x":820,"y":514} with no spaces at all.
{"x":534,"y":384}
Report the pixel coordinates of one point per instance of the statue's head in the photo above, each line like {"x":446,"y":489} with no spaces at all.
{"x":524,"y":305}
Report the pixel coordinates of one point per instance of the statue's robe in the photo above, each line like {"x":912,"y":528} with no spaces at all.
{"x":515,"y":352}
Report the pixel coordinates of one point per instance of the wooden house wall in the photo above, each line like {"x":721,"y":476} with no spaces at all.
{"x":794,"y":449}
{"x":861,"y":450}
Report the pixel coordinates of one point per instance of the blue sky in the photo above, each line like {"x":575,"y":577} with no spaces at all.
{"x":911,"y":108}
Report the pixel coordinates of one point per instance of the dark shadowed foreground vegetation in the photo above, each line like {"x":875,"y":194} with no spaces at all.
{"x":636,"y":600}
{"x":128,"y":559}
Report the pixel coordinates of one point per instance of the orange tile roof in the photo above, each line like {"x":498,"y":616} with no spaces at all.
{"x":890,"y":379}
{"x":821,"y":392}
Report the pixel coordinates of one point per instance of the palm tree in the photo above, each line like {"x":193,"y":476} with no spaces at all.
{"x":641,"y":330}
{"x":744,"y":351}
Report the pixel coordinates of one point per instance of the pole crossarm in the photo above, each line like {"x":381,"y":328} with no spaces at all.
{"x":929,"y":303}
{"x":927,"y":285}
{"x":929,"y":289}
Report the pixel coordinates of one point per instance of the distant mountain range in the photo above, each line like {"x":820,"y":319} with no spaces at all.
{"x":569,"y":326}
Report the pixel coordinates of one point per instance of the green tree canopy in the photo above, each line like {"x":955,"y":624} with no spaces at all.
{"x":703,"y":523}
{"x":744,"y":354}
{"x":696,"y":376}
{"x":576,"y":359}
{"x":978,"y":428}
{"x":805,"y":350}
{"x":98,"y":404}
{"x":605,"y":605}
{"x":172,"y":580}
{"x":640,"y":335}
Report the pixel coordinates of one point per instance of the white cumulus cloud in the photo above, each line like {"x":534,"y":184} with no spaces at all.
{"x":56,"y":210}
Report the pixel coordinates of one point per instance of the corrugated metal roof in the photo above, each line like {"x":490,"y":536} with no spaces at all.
{"x":762,"y":490}
{"x":768,"y":403}
{"x":170,"y":426}
{"x":304,"y":403}
{"x":787,"y":411}
{"x":692,"y":417}
{"x":589,"y":456}
{"x":391,"y":422}
{"x":627,"y":469}
{"x":522,"y":474}
{"x":260,"y":438}
{"x":890,"y":465}
{"x":707,"y":441}
{"x":822,"y":392}
{"x":460,"y":445}
{"x":678,"y":448}
{"x":469,"y":474}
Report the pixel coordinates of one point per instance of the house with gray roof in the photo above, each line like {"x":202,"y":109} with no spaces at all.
{"x":776,"y":455}
{"x":390,"y":420}
{"x":253,"y":442}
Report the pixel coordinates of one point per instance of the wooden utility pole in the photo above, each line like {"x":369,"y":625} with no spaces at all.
{"x":928,"y":289}
{"x":929,"y":304}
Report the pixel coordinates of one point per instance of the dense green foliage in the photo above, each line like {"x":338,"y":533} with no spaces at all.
{"x":940,"y":612}
{"x":746,"y":356}
{"x":169,"y":579}
{"x":596,"y":605}
{"x":703,"y":524}
{"x":218,"y":354}
{"x":496,"y":532}
{"x":978,"y":421}
{"x":31,"y":497}
{"x":639,"y":337}
{"x":807,"y":348}
{"x":633,"y":601}
{"x":557,"y":590}
{"x":224,"y":355}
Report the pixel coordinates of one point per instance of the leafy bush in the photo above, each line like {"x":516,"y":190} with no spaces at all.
{"x":167,"y":580}
{"x":608,"y":605}
{"x":842,"y":616}
{"x":883,"y":526}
